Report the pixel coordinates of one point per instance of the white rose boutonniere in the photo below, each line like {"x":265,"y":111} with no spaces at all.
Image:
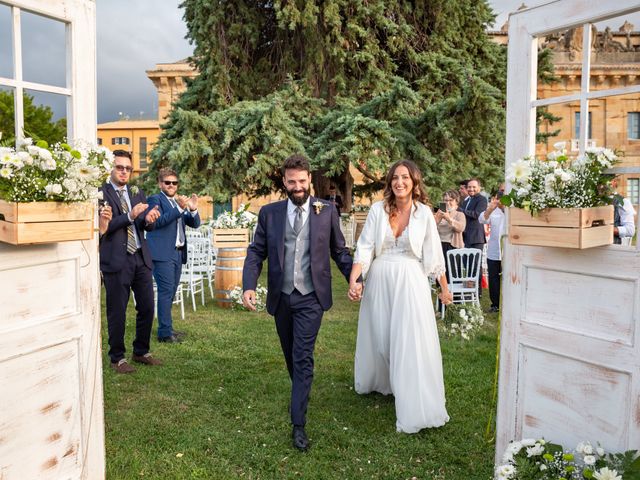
{"x":318,"y":206}
{"x":134,"y":190}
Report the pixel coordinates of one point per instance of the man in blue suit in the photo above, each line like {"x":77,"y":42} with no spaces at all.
{"x":125,"y":263}
{"x":297,"y":236}
{"x":168,"y":245}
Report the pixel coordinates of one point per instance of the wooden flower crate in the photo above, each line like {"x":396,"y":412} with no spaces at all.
{"x":45,"y":222}
{"x":230,"y":237}
{"x":361,"y":217}
{"x":562,"y":227}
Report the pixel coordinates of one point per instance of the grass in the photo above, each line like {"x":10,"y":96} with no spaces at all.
{"x":217,"y":408}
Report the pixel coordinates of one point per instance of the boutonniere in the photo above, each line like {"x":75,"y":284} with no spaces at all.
{"x":134,"y":190}
{"x":318,"y":206}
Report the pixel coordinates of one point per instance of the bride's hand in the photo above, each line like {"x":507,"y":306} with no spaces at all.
{"x":355,"y":292}
{"x":446,"y":297}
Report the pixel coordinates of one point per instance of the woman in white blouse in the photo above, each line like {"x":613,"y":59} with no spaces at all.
{"x":398,"y":349}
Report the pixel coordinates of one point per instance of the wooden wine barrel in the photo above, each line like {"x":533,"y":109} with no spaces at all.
{"x":229,"y":263}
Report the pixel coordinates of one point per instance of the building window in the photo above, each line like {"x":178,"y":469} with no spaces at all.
{"x":143,"y":152}
{"x":633,"y":190}
{"x":120,"y":141}
{"x":99,"y":141}
{"x":633,"y":125}
{"x":576,"y":128}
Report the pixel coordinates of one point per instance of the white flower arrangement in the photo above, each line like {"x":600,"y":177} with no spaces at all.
{"x":360,"y":208}
{"x":37,"y":173}
{"x":561,"y":182}
{"x":531,"y":459}
{"x":261,"y":298}
{"x":242,"y":218}
{"x":463,"y":320}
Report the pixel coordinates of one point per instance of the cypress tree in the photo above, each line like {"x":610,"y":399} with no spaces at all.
{"x":349,"y":83}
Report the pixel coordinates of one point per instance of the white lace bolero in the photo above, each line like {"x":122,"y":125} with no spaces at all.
{"x":423,"y":237}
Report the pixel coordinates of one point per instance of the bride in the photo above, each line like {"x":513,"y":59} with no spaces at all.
{"x":397,"y":349}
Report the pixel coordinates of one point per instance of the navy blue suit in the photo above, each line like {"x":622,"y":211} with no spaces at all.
{"x":167,"y":259}
{"x":297,"y":316}
{"x":473,"y":234}
{"x":123,"y":272}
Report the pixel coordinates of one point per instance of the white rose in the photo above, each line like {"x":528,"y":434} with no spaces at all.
{"x":535,"y":450}
{"x":588,"y":449}
{"x":600,"y":451}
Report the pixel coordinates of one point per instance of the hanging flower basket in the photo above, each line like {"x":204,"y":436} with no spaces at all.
{"x":561,"y":201}
{"x":562,"y":227}
{"x":45,"y":222}
{"x":47,"y":193}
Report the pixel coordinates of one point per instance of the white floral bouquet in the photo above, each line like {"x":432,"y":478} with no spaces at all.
{"x":360,"y":208}
{"x":261,"y":298}
{"x":561,"y":182}
{"x":463,"y":320}
{"x":36,"y":173}
{"x":531,"y":459}
{"x":242,"y":218}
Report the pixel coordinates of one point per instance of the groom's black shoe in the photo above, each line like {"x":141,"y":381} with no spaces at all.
{"x":300,"y":440}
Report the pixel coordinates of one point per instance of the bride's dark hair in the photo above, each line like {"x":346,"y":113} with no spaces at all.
{"x":418,"y":193}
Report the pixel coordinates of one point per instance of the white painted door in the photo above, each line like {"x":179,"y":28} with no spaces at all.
{"x":51,"y":413}
{"x":569,"y":358}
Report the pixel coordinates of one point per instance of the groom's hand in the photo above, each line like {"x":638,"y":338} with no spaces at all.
{"x":249,"y":299}
{"x":355,"y":292}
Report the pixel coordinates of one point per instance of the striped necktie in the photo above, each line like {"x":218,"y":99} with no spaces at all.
{"x":131,"y":239}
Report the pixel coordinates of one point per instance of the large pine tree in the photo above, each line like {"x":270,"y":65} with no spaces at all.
{"x":347,"y":82}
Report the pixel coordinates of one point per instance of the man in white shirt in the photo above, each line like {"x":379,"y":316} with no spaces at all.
{"x":495,"y":218}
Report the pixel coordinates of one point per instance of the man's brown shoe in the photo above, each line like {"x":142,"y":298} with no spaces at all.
{"x":146,"y":359}
{"x":122,"y":366}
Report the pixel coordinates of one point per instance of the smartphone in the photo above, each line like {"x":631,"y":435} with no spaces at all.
{"x":499,"y":194}
{"x":443,"y":206}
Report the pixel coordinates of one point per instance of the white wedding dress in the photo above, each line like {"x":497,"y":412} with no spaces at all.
{"x":398,"y":349}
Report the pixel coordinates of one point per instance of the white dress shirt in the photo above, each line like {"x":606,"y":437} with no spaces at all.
{"x":496,"y":221}
{"x":291,"y":211}
{"x":126,"y":198}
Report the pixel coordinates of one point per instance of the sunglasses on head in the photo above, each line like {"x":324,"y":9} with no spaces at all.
{"x":122,"y":168}
{"x":170,"y":182}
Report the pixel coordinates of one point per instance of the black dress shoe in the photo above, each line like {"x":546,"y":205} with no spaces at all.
{"x":170,"y":339}
{"x":300,"y":440}
{"x":178,"y":334}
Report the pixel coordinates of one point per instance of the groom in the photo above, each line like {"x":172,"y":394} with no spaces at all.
{"x":297,"y":236}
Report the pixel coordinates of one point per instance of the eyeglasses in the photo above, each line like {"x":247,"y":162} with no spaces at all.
{"x":170,"y":182}
{"x":122,"y":168}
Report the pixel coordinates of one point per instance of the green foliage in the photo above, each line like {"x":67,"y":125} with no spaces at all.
{"x":38,"y":120}
{"x":360,"y":83}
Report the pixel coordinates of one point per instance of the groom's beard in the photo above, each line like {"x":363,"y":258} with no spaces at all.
{"x":298,"y":201}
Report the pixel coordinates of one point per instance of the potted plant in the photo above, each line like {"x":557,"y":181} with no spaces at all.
{"x":47,"y":194}
{"x":562,"y":202}
{"x":231,"y":238}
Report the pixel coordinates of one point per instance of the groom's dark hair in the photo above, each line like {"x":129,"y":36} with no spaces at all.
{"x":296,"y":161}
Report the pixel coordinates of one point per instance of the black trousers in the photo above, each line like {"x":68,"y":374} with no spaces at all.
{"x":136,"y":276}
{"x":298,"y":319}
{"x":495,"y":271}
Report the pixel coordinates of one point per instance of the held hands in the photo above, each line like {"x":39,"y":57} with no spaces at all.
{"x":445,"y":296}
{"x":152,"y":216}
{"x":355,"y":291}
{"x":249,"y":299}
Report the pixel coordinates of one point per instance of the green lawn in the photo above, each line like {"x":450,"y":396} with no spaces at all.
{"x":217,"y":409}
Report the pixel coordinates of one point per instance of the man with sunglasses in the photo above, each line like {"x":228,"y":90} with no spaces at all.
{"x":125,"y":262}
{"x":168,"y":245}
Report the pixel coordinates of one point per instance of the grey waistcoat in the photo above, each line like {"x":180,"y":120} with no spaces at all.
{"x":297,"y":260}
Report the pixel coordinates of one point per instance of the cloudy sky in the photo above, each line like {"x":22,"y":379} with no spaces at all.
{"x":132,"y":37}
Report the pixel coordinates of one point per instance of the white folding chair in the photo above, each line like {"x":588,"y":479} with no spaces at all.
{"x":348,"y":228}
{"x":178,"y":299}
{"x":204,"y":261}
{"x":464,"y":266}
{"x":192,"y":281}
